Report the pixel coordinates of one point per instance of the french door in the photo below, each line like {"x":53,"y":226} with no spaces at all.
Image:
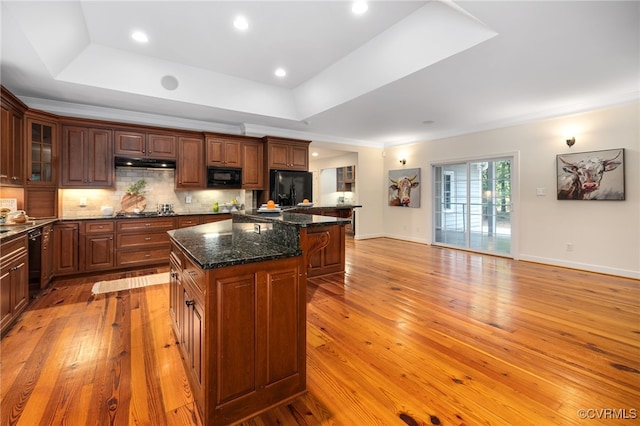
{"x":473,"y":204}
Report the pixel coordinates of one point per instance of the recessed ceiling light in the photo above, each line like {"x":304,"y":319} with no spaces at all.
{"x":139,"y":36}
{"x":241,"y":23}
{"x":280,"y":72}
{"x":359,"y":7}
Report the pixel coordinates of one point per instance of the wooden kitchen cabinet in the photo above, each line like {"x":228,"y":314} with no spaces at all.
{"x":86,"y":159}
{"x":331,"y":258}
{"x":41,"y":202}
{"x":42,"y":150}
{"x":14,"y":281}
{"x":136,"y":144}
{"x":223,"y":150}
{"x":12,"y":149}
{"x":190,"y":169}
{"x":99,"y":247}
{"x":46,"y":256}
{"x":143,"y":241}
{"x":287,"y":154}
{"x":209,"y":218}
{"x":66,"y":243}
{"x":243,"y":334}
{"x":345,"y":178}
{"x":252,"y":164}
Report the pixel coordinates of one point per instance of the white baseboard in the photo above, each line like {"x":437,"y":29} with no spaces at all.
{"x":582,"y":266}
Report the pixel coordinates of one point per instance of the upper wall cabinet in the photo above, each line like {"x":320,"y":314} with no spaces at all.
{"x":252,"y":164}
{"x":86,"y":159}
{"x":287,"y":154}
{"x":190,"y":168}
{"x":223,"y":150}
{"x":12,"y":151}
{"x":42,"y":149}
{"x":145,"y":144}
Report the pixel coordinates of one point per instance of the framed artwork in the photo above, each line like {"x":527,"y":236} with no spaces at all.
{"x":401,"y":184}
{"x":594,"y":175}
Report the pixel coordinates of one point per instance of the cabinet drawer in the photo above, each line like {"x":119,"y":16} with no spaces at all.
{"x":12,"y":249}
{"x":141,"y":239}
{"x":183,"y":222}
{"x":155,"y":224}
{"x":141,"y":257}
{"x":194,"y":274}
{"x":99,"y":227}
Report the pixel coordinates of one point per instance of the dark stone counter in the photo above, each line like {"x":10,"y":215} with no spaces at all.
{"x":249,"y":237}
{"x":221,"y":244}
{"x":7,"y":231}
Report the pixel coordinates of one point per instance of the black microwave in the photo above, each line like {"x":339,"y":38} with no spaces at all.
{"x":224,"y":177}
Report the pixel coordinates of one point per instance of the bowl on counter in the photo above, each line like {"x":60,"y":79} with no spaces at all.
{"x":107,"y":210}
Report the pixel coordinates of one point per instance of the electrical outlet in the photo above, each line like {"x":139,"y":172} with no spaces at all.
{"x":540,"y":191}
{"x":188,"y":199}
{"x":256,"y":228}
{"x":83,"y":201}
{"x":569,"y":246}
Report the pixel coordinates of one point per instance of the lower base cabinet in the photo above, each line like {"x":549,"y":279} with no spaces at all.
{"x":14,"y":281}
{"x":242,"y":333}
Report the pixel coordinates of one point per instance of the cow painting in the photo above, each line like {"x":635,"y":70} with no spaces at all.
{"x":587,"y":176}
{"x":401,"y":186}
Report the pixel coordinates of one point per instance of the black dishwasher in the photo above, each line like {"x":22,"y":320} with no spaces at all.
{"x":35,"y":261}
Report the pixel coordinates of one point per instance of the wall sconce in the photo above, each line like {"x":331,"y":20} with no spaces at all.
{"x":571,"y":141}
{"x":403,"y":161}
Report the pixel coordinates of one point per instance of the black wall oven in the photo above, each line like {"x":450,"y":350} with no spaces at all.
{"x":224,"y":177}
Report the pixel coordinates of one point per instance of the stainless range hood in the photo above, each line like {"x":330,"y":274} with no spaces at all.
{"x":145,"y":163}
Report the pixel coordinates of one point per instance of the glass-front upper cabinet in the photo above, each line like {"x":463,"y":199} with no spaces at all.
{"x":42,"y":145}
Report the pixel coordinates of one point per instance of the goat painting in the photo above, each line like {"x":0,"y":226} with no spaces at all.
{"x":596,"y":175}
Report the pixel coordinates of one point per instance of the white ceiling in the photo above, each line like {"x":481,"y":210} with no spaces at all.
{"x":404,"y":71}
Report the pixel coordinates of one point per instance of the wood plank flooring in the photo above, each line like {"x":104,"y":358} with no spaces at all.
{"x":410,"y":334}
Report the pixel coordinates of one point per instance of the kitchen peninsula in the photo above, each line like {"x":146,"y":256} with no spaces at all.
{"x":238,"y":308}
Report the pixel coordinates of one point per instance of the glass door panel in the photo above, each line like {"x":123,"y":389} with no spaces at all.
{"x":472,"y":205}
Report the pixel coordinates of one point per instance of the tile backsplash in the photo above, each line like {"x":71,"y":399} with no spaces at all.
{"x":159,"y":188}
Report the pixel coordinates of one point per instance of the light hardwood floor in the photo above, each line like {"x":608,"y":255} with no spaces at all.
{"x":411,"y":334}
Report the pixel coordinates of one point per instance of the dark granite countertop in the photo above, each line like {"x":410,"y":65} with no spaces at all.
{"x":300,"y":220}
{"x":221,"y":244}
{"x":7,"y":231}
{"x":142,"y":215}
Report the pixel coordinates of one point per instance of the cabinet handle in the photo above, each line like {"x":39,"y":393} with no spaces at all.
{"x":147,"y":224}
{"x":189,"y":302}
{"x":147,"y":239}
{"x":173,"y":274}
{"x":147,"y":255}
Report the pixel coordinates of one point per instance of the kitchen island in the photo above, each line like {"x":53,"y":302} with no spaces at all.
{"x":238,"y":308}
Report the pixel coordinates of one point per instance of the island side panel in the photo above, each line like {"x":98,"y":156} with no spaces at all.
{"x":255,"y":342}
{"x":329,"y":260}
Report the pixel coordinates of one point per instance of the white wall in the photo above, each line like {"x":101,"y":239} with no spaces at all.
{"x":605,"y":234}
{"x":369,"y":164}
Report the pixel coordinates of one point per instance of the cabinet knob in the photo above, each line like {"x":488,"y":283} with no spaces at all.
{"x":189,"y":302}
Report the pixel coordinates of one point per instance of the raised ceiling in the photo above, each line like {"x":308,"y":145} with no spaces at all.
{"x":402,"y":72}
